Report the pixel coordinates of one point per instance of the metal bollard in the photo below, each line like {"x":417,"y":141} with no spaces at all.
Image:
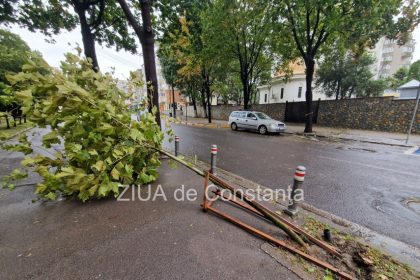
{"x":176,"y":145}
{"x":213,"y":159}
{"x":293,"y":209}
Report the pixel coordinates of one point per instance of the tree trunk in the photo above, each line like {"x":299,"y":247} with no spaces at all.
{"x":310,"y":67}
{"x":208,"y":104}
{"x":203,"y":102}
{"x":173,"y":100}
{"x":87,"y":36}
{"x":146,"y":38}
{"x":337,"y":92}
{"x":194,"y":101}
{"x":245,"y":87}
{"x":148,"y":47}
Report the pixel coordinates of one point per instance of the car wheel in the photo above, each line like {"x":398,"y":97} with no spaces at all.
{"x":234,"y":126}
{"x":262,"y":130}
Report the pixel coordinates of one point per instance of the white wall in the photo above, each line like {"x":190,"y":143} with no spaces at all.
{"x":290,"y":92}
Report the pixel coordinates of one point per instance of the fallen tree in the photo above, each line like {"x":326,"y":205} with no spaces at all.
{"x":85,"y":113}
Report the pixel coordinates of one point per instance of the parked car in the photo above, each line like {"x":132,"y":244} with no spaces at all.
{"x":252,"y":120}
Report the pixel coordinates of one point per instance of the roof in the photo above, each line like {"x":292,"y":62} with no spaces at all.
{"x":296,"y":68}
{"x":411,"y":84}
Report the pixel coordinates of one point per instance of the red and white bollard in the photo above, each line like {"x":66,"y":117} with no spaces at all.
{"x":214,"y":151}
{"x":176,"y":145}
{"x":299,"y":177}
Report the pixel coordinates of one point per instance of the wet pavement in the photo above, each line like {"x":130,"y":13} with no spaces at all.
{"x":377,"y":186}
{"x":109,"y":239}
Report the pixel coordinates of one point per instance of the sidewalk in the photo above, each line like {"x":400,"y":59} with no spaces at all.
{"x":376,"y":137}
{"x":108,"y":239}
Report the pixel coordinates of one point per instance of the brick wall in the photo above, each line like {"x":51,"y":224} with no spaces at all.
{"x":377,"y":113}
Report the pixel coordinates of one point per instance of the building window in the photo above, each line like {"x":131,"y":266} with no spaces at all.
{"x":300,"y":92}
{"x":282,"y":93}
{"x":265,"y":98}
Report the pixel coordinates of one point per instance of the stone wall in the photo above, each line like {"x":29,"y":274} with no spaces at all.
{"x":377,"y":113}
{"x":380,"y":113}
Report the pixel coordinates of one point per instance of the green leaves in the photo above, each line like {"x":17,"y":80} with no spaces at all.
{"x":50,"y":138}
{"x":86,"y":113}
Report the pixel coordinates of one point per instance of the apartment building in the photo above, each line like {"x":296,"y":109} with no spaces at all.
{"x":390,"y":57}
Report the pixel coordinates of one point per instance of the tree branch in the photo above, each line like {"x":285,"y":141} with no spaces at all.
{"x":131,"y":19}
{"x":98,"y":21}
{"x":295,"y":35}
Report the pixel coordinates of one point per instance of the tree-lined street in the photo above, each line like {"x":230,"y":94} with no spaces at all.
{"x":365,"y":183}
{"x":90,"y":167}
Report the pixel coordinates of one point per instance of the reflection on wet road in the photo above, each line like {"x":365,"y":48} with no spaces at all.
{"x":368,"y":184}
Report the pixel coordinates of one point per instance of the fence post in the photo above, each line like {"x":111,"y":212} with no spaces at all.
{"x":298,"y":179}
{"x":285,"y":111}
{"x":176,"y":146}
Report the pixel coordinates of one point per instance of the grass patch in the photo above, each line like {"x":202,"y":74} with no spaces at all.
{"x":12,"y":131}
{"x":362,"y":260}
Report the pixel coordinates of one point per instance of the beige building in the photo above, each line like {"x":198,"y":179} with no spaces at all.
{"x":390,"y":57}
{"x":279,"y":90}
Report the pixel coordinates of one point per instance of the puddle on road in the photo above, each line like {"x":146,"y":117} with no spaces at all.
{"x":413,"y":204}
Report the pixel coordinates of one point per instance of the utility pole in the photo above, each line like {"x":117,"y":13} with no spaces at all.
{"x":414,"y":114}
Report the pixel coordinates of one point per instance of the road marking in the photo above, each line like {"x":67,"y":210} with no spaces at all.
{"x":372,"y":166}
{"x":412,"y":151}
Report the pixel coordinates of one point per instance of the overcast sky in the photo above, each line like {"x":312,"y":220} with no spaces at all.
{"x":122,"y":61}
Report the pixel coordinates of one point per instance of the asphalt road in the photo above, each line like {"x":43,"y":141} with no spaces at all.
{"x":367,"y":184}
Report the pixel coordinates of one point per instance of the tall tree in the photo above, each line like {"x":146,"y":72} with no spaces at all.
{"x":346,"y":75}
{"x":100,"y":21}
{"x":414,"y":71}
{"x":145,"y":35}
{"x":308,"y":29}
{"x":184,"y":35}
{"x":169,"y":70}
{"x":14,"y":53}
{"x":242,"y":30}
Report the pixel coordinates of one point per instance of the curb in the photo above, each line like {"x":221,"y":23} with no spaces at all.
{"x":209,"y":125}
{"x":307,"y":135}
{"x":403,"y":252}
{"x":350,"y":139}
{"x":17,"y":133}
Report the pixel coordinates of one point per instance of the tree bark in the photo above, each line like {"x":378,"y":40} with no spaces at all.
{"x":173,"y":100}
{"x":337,"y":92}
{"x":245,"y":87}
{"x":194,"y":101}
{"x":209,"y":104}
{"x":87,"y":36}
{"x":207,"y":91}
{"x":310,"y":68}
{"x":147,"y":41}
{"x":203,"y":101}
{"x":148,"y":47}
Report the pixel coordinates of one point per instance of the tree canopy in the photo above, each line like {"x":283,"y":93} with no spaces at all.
{"x":348,"y":75}
{"x":242,"y":30}
{"x":310,"y":29}
{"x":86,"y":113}
{"x":14,"y":53}
{"x":100,"y":21}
